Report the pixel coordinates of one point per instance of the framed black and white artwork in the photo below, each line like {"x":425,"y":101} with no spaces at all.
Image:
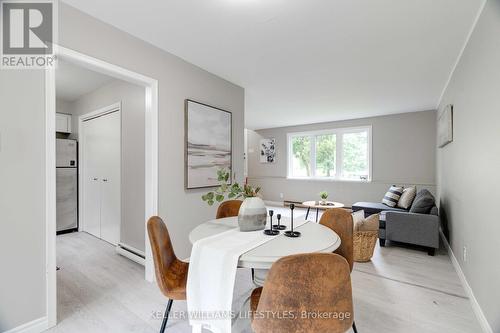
{"x":208,"y":144}
{"x":445,"y":126}
{"x":267,"y":150}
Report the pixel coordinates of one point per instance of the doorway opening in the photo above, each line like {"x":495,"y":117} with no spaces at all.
{"x":99,"y":134}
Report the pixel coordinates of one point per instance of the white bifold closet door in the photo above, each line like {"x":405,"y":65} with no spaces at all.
{"x":101,"y":174}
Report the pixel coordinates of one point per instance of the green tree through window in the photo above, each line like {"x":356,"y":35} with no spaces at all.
{"x":325,"y":155}
{"x":302,"y":151}
{"x":341,"y":153}
{"x":355,"y":158}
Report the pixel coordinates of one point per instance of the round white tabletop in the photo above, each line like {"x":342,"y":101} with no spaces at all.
{"x":327,"y":205}
{"x":314,"y":238}
{"x":318,"y":206}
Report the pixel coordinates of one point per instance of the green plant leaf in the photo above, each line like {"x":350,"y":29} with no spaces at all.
{"x":219,"y":197}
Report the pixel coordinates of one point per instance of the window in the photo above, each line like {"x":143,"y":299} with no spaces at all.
{"x":338,"y":154}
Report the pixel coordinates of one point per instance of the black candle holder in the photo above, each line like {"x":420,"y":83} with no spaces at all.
{"x":291,"y":233}
{"x":270,"y":231}
{"x":279,"y":226}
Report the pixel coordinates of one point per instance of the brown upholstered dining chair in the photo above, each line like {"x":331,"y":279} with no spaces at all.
{"x":340,"y":221}
{"x":310,"y":284}
{"x":228,"y":209}
{"x":171,"y":273}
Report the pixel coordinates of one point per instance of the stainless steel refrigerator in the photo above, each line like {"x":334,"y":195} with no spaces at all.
{"x":67,"y":185}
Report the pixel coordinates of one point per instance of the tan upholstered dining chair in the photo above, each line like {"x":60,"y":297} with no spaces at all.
{"x":341,"y":222}
{"x":228,"y":209}
{"x":310,"y":284}
{"x":171,"y":273}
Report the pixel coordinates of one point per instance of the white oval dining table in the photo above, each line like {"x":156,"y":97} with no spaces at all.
{"x":314,"y":238}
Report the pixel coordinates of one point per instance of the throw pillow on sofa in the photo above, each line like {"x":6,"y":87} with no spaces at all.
{"x":423,"y":203}
{"x":392,"y":196}
{"x":407,"y":197}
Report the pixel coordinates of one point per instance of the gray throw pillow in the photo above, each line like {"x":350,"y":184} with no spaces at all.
{"x":423,"y":203}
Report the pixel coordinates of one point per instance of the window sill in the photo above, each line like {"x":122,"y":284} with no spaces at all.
{"x":329,"y":180}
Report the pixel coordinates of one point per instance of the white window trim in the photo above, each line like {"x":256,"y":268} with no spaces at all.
{"x":338,"y":152}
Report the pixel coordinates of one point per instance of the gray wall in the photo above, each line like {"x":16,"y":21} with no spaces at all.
{"x":22,"y":193}
{"x":404,"y":153}
{"x":468,"y":167}
{"x":132,"y":98}
{"x":22,"y":129}
{"x":178,"y":80}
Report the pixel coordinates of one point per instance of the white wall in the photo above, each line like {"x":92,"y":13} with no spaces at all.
{"x":132,"y":98}
{"x":22,"y":197}
{"x":468,"y":167}
{"x":404,"y":148}
{"x":23,"y":232}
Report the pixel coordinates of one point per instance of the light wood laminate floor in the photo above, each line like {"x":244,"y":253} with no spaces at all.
{"x":400,"y":290}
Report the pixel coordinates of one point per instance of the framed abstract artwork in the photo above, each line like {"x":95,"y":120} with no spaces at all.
{"x":267,"y":150}
{"x":208,"y":144}
{"x":445,"y":126}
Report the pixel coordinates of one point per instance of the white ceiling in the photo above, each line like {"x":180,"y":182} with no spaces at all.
{"x":73,"y":81}
{"x":305,"y":61}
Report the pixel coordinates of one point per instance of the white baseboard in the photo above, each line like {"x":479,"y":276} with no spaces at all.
{"x":475,"y":305}
{"x":273,"y":203}
{"x":131,"y":253}
{"x":35,"y":326}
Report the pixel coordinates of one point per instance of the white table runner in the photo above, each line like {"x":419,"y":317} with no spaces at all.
{"x":212,"y":273}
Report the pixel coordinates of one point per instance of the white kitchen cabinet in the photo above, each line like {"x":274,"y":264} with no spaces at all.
{"x":63,"y":123}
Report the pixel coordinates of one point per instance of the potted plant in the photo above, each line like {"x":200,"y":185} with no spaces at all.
{"x":323,"y":195}
{"x":253,"y":212}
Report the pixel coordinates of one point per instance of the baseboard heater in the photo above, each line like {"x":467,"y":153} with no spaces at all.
{"x":131,"y":253}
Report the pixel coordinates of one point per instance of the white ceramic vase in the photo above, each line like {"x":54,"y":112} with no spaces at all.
{"x":252,"y":215}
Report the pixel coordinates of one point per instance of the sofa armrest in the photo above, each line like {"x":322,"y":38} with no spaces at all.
{"x":413,"y":228}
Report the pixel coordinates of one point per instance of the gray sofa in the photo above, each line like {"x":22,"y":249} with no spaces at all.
{"x":401,"y":225}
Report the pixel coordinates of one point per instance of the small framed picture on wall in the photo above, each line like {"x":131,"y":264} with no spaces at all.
{"x":267,"y":150}
{"x":445,"y":126}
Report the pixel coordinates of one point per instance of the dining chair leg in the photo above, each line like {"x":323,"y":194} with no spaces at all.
{"x":307,"y":214}
{"x":253,"y":275}
{"x":165,"y":317}
{"x":317,"y":211}
{"x":354,"y":327}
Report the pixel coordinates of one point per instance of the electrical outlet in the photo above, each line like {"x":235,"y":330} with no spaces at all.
{"x":465,"y":253}
{"x":281,"y":195}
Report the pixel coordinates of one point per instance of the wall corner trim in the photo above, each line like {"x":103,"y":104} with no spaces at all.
{"x":483,"y":322}
{"x":34,"y":326}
